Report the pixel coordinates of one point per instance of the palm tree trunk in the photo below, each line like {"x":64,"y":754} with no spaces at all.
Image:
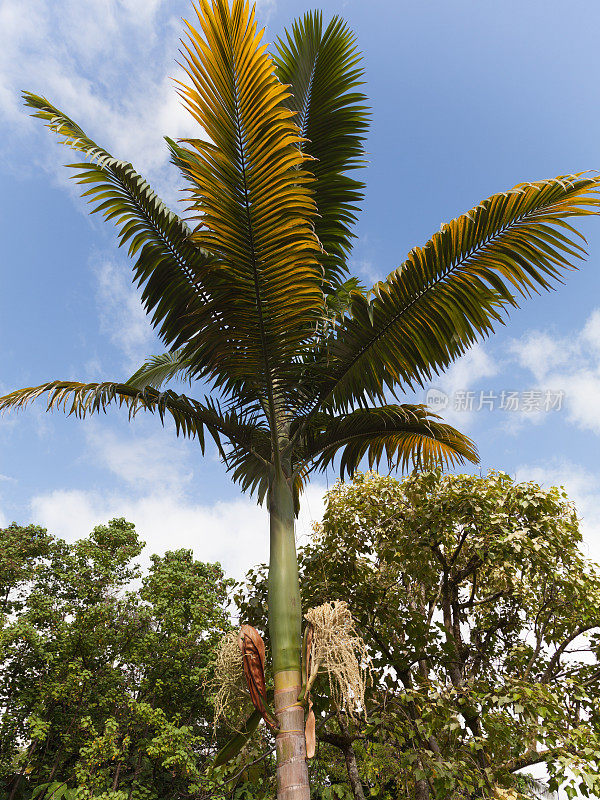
{"x":285,"y":627}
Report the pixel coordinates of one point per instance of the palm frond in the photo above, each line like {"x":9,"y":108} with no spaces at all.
{"x":534,"y":788}
{"x":238,"y":435}
{"x":245,"y":428}
{"x":170,"y":268}
{"x":454,"y":290}
{"x":85,"y":399}
{"x":250,"y":192}
{"x":339,"y":301}
{"x":251,"y":472}
{"x":405,"y":435}
{"x":323,"y":70}
{"x":180,"y":158}
{"x":157,"y":370}
{"x":249,"y":457}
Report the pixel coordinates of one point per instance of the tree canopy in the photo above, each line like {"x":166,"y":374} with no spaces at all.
{"x":103,"y":668}
{"x":479,"y":611}
{"x":482,"y":617}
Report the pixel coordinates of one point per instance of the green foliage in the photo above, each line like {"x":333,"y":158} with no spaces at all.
{"x":324,"y":69}
{"x":102,"y":683}
{"x":482,"y":618}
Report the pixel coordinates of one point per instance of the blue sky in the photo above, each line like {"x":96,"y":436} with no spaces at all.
{"x":469,"y":98}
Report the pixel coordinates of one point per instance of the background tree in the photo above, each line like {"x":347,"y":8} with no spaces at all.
{"x":102,"y":685}
{"x":104,"y":690}
{"x":482,"y":616}
{"x":253,"y":301}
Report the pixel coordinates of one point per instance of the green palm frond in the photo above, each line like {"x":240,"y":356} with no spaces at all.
{"x":405,"y":435}
{"x":84,"y":399}
{"x":249,"y":457}
{"x":323,"y":70}
{"x":453,"y":290}
{"x":170,"y":269}
{"x":238,"y":436}
{"x":339,"y":301}
{"x":245,"y":428}
{"x":251,"y":473}
{"x":157,"y":370}
{"x":250,"y":192}
{"x":180,"y":158}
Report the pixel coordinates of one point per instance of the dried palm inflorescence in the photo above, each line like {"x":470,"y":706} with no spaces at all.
{"x":338,"y":650}
{"x":229,"y":681}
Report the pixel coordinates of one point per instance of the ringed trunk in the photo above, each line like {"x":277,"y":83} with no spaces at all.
{"x":285,"y":627}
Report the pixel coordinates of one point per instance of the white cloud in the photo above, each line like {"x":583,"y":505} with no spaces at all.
{"x":583,"y":488}
{"x":463,"y":374}
{"x":265,"y":10}
{"x":540,"y":353}
{"x":236,"y":533}
{"x":122,"y":316}
{"x":475,"y":364}
{"x":582,"y":394}
{"x":106,"y":64}
{"x":159,"y":462}
{"x":591,"y":331}
{"x":155,"y":479}
{"x":568,"y":364}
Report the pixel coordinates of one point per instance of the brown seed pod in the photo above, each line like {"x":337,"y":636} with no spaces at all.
{"x":252,"y":649}
{"x":310,"y":727}
{"x":310,"y":733}
{"x":307,"y":652}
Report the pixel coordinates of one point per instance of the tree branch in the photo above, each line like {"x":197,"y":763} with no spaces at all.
{"x":547,"y":674}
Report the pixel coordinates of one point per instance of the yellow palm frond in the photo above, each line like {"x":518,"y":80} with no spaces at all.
{"x":252,"y":198}
{"x":404,"y":435}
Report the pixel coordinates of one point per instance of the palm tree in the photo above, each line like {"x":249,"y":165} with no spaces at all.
{"x":254,"y":301}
